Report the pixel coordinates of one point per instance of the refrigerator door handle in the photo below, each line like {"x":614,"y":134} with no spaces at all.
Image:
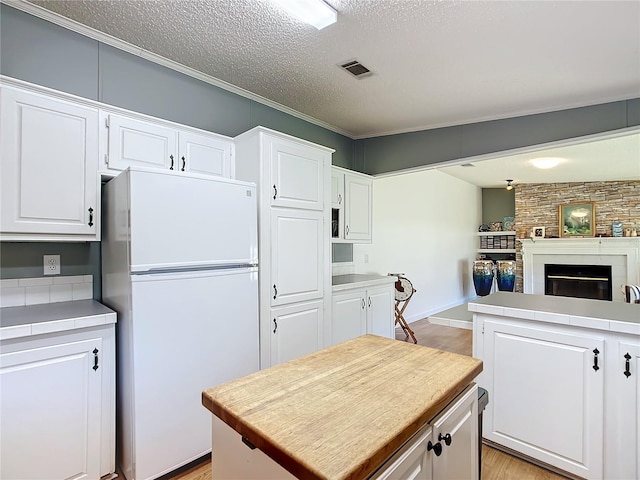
{"x":194,"y":268}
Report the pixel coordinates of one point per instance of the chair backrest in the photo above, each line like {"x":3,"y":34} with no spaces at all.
{"x":631,"y":293}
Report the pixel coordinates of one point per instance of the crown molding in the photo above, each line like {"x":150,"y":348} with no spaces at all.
{"x":112,"y":41}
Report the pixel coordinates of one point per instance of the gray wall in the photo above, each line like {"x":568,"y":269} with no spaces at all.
{"x":24,"y":260}
{"x":497,"y":203}
{"x":408,"y":150}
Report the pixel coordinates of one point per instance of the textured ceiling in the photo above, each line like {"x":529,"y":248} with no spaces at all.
{"x":434,"y":63}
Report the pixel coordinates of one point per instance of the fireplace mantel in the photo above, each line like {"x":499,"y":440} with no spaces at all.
{"x":623,"y":254}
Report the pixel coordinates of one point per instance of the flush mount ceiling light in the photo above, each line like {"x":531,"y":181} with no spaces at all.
{"x":509,"y":186}
{"x":545,"y":163}
{"x":314,"y":12}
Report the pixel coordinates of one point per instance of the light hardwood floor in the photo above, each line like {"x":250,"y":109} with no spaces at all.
{"x":496,"y":465}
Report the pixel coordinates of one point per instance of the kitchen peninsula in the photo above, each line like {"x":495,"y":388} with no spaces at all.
{"x":564,"y":375}
{"x":365,"y":408}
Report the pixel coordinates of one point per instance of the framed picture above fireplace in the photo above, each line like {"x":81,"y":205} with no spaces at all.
{"x":577,"y":219}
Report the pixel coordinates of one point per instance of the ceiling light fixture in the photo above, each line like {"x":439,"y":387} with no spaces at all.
{"x":314,"y":12}
{"x":545,"y":163}
{"x":509,"y":186}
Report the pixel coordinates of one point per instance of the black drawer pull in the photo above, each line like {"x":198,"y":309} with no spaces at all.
{"x":437,"y":448}
{"x":446,"y":438}
{"x":627,"y":365}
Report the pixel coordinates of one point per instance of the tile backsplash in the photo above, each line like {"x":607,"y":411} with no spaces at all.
{"x":31,"y":291}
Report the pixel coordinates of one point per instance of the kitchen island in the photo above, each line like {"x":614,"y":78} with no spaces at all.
{"x":564,"y":375}
{"x":368,"y":406}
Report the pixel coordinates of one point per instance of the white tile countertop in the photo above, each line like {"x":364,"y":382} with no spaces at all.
{"x":356,"y":280}
{"x":579,"y":312}
{"x":30,"y":320}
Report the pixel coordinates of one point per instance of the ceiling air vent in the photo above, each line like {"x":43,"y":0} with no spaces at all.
{"x":356,"y":69}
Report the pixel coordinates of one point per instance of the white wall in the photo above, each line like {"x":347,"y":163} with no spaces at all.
{"x":425,"y":225}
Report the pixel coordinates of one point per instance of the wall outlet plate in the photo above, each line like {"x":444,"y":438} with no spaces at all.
{"x":51,"y":264}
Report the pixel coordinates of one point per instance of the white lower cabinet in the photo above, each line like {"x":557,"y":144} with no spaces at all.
{"x":295,"y":330}
{"x":380,"y":320}
{"x":444,"y":449}
{"x":348,"y":315}
{"x":622,"y":414}
{"x":49,"y":161}
{"x":56,"y":410}
{"x":547,"y":387}
{"x":362,"y":310}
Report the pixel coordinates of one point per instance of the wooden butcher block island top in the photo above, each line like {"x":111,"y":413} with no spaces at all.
{"x":341,"y":412}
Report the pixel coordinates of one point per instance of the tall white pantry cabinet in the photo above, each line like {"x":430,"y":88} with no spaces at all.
{"x":293,"y":184}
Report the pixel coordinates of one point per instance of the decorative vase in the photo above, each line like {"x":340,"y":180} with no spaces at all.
{"x":506,"y":275}
{"x":482,"y":277}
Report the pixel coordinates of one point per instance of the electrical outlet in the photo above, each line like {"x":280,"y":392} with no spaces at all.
{"x":52,"y":264}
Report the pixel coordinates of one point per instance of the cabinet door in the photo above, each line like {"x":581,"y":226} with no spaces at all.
{"x":348,"y":316}
{"x":547,"y":397}
{"x":337,"y":188}
{"x":49,"y":150}
{"x":380,"y":319}
{"x":623,"y":409}
{"x":296,"y":331}
{"x":337,"y":204}
{"x":50,"y":412}
{"x":142,"y":144}
{"x":358,"y":202}
{"x":205,"y":154}
{"x":457,"y":431}
{"x":412,"y":461}
{"x":297,"y":175}
{"x":297,"y":256}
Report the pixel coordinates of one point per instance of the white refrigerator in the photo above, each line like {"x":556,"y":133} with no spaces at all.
{"x":179,"y":266}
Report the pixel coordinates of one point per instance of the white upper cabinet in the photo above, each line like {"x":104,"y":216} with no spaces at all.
{"x":153,"y":143}
{"x":140,"y":144}
{"x":358,"y":201}
{"x":206,"y":154}
{"x":337,"y":188}
{"x":297,"y":175}
{"x":351,"y":206}
{"x":49,"y":163}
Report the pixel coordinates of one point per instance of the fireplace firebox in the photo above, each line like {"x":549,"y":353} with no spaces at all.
{"x":582,"y":281}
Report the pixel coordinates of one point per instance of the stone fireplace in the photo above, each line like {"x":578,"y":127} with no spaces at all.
{"x":622,"y":255}
{"x":536,"y":204}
